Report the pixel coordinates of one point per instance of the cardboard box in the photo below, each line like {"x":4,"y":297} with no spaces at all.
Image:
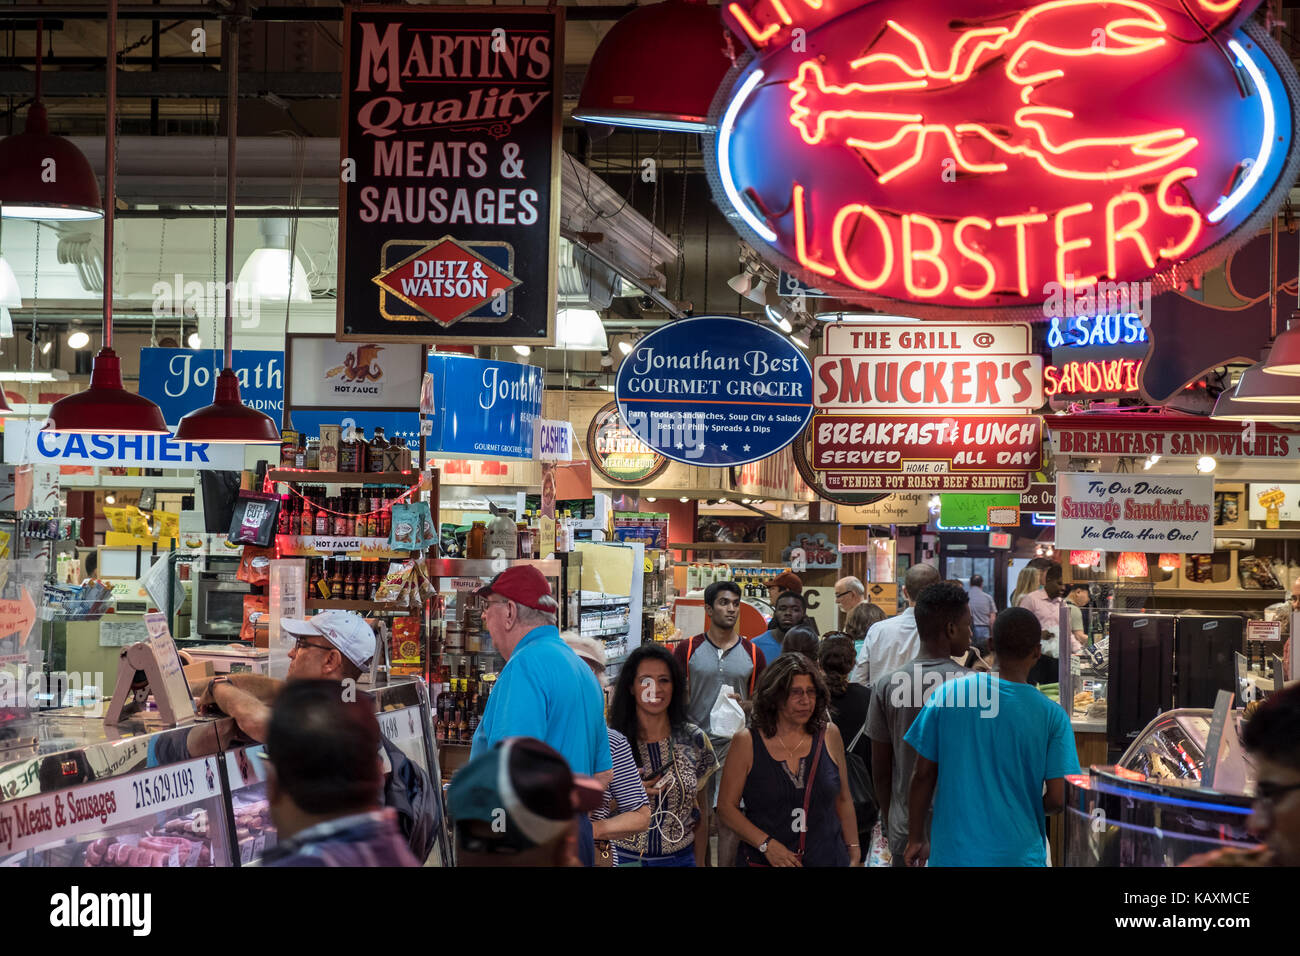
{"x":394,"y":459}
{"x":328,"y":455}
{"x":201,"y":670}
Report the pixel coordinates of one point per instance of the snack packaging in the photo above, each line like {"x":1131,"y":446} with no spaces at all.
{"x":406,"y":640}
{"x":168,"y":525}
{"x":390,"y":588}
{"x":256,"y":627}
{"x":406,"y":531}
{"x":427,"y":533}
{"x":116,"y":519}
{"x":254,"y":519}
{"x":255,"y":564}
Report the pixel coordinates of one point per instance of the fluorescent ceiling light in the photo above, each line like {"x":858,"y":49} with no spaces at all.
{"x":580,"y":330}
{"x":52,"y":375}
{"x":52,"y":213}
{"x":6,"y":324}
{"x":864,"y":318}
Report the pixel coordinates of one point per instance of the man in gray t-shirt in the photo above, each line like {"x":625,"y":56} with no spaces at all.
{"x":943,"y":623}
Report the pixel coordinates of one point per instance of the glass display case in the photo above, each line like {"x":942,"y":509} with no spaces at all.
{"x":1151,"y":808}
{"x":77,"y":792}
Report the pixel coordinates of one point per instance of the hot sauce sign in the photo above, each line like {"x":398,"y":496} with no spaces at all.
{"x":993,"y":152}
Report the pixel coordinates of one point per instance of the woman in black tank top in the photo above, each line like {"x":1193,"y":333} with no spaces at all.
{"x":788,"y":767}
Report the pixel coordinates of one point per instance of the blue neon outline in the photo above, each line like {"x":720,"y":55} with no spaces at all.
{"x":1230,"y":202}
{"x":1106,"y":787}
{"x":724,"y":158}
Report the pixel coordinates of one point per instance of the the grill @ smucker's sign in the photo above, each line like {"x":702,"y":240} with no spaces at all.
{"x":450,"y":168}
{"x":715,"y":391}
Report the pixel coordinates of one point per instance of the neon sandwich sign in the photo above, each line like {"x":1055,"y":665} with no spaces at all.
{"x":886,"y":149}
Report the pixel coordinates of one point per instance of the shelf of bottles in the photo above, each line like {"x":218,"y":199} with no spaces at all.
{"x":341,"y":522}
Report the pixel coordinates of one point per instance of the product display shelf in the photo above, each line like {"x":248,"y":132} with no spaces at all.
{"x":718,"y":546}
{"x":363,"y":607}
{"x":1268,"y":533}
{"x":305,"y":476}
{"x":1219,"y":593}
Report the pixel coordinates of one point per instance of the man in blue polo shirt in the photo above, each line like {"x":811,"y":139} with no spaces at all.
{"x":545,"y":690}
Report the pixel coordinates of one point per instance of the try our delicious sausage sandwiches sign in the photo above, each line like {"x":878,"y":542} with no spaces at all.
{"x":450,"y":174}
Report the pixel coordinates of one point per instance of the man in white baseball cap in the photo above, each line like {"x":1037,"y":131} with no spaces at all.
{"x":333,"y":645}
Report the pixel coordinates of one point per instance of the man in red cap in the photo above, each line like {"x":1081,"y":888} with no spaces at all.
{"x":545,"y":690}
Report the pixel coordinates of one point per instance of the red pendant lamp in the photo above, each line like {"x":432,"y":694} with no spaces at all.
{"x":106,"y":407}
{"x":657,"y":68}
{"x":1084,"y":559}
{"x":1170,"y":562}
{"x":228,"y":420}
{"x":1132,"y":564}
{"x":27,"y":160}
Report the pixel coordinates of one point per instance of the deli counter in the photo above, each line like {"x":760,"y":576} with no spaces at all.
{"x":75,"y":791}
{"x":1151,"y":808}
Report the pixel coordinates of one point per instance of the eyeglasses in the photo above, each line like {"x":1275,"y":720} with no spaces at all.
{"x":840,"y":595}
{"x":1272,"y":794}
{"x":497,"y":603}
{"x":302,"y":642}
{"x":803,"y":692}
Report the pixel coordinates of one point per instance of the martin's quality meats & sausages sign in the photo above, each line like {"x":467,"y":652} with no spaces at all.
{"x":450,"y":168}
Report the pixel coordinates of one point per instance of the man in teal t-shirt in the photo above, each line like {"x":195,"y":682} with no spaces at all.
{"x":986,"y":745}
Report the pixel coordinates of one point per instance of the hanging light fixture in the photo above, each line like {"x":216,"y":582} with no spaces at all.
{"x":1259,"y":384}
{"x":1132,"y":564}
{"x":106,"y":407}
{"x":631,"y":81}
{"x":580,"y":330}
{"x":264,"y":276}
{"x":27,"y":190}
{"x":523,"y":350}
{"x":1284,"y":357}
{"x":1170,"y":562}
{"x":228,"y":420}
{"x":1227,"y":408}
{"x":1084,"y":559}
{"x":78,"y":339}
{"x":11,"y":297}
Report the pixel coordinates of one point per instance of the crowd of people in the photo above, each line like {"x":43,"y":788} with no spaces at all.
{"x":878,"y":743}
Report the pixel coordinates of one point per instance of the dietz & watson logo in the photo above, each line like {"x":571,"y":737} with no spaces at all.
{"x":445,"y":280}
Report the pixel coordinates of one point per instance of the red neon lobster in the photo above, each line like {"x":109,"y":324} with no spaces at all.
{"x":1046,"y":46}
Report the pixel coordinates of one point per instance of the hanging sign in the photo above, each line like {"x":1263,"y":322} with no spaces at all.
{"x":1170,"y":436}
{"x":484,"y":409}
{"x":24,"y":441}
{"x":986,"y":154}
{"x":920,"y":444}
{"x":914,"y":367}
{"x":1125,"y":512}
{"x":715,"y":391}
{"x":450,"y":174}
{"x":909,"y":507}
{"x":976,"y":512}
{"x":180,"y":381}
{"x":552,"y":440}
{"x":616,"y":451}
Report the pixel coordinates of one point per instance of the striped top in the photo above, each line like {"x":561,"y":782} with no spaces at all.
{"x":362,"y":839}
{"x":626,"y":788}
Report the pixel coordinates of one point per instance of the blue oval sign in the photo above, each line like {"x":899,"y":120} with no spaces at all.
{"x":715,"y":391}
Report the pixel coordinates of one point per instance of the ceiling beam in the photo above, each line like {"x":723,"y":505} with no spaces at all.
{"x":265,"y":13}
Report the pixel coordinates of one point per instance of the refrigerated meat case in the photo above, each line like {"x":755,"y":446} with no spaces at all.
{"x":1151,"y":808}
{"x":90,"y":794}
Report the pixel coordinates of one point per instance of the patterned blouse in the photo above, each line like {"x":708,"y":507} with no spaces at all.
{"x":689,"y":756}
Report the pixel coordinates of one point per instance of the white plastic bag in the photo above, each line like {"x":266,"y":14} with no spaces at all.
{"x":727,"y":717}
{"x":879,"y":853}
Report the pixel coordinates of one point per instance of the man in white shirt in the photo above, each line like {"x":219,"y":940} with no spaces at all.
{"x":894,"y":642}
{"x":1045,"y":603}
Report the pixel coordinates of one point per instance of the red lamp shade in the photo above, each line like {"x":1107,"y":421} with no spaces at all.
{"x":1084,"y":559}
{"x":106,"y":407}
{"x":1132,"y":564}
{"x":657,"y":68}
{"x":1170,"y":562}
{"x":228,"y":420}
{"x":43,"y":176}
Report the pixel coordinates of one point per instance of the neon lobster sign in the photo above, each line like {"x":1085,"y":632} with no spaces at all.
{"x":980,"y":154}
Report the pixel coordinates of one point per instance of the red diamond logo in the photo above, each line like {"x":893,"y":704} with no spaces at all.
{"x":445,"y":280}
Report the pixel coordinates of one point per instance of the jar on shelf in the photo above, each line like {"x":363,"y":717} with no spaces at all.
{"x":453,"y":637}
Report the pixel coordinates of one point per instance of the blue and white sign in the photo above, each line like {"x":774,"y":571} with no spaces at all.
{"x":715,"y":391}
{"x":180,"y":380}
{"x":24,"y":442}
{"x":484,"y":409}
{"x":791,"y":287}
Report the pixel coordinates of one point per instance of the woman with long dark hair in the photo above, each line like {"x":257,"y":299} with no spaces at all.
{"x":789,"y":768}
{"x":674,"y":757}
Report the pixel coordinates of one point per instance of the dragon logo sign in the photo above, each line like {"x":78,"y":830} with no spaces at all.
{"x":988,"y":153}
